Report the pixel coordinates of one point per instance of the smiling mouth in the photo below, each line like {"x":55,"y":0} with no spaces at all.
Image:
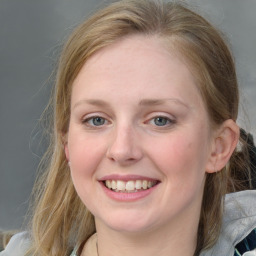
{"x":131,"y":186}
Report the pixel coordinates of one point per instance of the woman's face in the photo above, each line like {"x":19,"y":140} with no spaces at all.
{"x":139,"y":140}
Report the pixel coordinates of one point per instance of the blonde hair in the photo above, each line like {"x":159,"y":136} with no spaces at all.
{"x":60,"y":218}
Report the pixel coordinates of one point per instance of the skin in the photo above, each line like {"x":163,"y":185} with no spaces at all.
{"x":128,"y":85}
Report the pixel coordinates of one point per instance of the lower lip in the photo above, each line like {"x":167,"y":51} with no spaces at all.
{"x":127,"y":197}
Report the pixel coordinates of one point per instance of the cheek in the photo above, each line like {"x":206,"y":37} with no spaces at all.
{"x":182,"y":162}
{"x":85,"y":156}
{"x":181,"y":159}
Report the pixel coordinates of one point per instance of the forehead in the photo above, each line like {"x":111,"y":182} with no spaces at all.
{"x":137,"y":65}
{"x":145,"y":48}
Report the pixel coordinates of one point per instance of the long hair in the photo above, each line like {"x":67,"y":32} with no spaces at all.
{"x":60,"y":219}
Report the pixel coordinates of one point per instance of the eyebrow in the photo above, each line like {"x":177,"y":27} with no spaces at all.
{"x":143,"y":102}
{"x":156,"y":102}
{"x":99,"y":103}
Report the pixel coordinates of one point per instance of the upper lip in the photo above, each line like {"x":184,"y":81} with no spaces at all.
{"x":126,"y":177}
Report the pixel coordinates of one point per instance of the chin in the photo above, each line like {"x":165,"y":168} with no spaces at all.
{"x":126,"y":223}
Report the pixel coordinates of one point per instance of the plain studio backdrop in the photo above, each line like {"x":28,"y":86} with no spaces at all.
{"x":31,"y":34}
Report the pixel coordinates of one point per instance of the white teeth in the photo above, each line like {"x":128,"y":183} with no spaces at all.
{"x":144,"y":184}
{"x":113,"y":184}
{"x":120,"y":185}
{"x":129,"y":186}
{"x":138,"y":184}
{"x":108,"y":184}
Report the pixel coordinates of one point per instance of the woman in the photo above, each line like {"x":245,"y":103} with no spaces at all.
{"x":143,"y":141}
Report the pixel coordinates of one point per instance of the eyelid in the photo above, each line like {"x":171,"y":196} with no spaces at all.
{"x":93,"y":115}
{"x":85,"y":120}
{"x":171,"y":119}
{"x":161,"y":114}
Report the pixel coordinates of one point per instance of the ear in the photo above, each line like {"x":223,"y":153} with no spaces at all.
{"x":224,"y":143}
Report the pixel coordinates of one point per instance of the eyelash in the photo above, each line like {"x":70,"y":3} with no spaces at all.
{"x":89,"y":122}
{"x":168,"y":122}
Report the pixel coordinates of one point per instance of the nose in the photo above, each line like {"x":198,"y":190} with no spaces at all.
{"x":124,"y":147}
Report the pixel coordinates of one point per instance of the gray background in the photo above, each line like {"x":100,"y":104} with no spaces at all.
{"x":31,"y":32}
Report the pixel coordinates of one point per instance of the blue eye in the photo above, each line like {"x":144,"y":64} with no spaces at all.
{"x":161,"y":121}
{"x":95,"y":121}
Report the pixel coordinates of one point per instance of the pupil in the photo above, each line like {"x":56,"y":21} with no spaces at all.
{"x":98,"y":121}
{"x":160,"y":121}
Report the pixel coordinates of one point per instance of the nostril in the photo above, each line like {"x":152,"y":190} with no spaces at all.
{"x":125,"y":155}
